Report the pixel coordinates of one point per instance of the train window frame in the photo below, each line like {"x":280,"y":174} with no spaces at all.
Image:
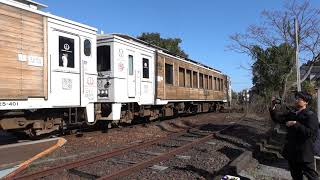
{"x":168,"y":78}
{"x":215,"y":83}
{"x":106,"y":66}
{"x":145,"y":68}
{"x":222,"y":85}
{"x":188,"y":79}
{"x":206,"y":83}
{"x":130,"y":65}
{"x":210,"y":83}
{"x":183,"y":82}
{"x":66,"y":52}
{"x":201,"y":85}
{"x":195,"y":84}
{"x":88,"y":49}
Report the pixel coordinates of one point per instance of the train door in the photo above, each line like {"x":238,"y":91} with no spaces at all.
{"x":64,"y":77}
{"x":146,"y":96}
{"x":89,"y":71}
{"x":131,"y":77}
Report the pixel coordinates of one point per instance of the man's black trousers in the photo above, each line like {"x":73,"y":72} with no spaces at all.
{"x":298,"y":169}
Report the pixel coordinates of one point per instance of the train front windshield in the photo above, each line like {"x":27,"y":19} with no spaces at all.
{"x":104,"y":59}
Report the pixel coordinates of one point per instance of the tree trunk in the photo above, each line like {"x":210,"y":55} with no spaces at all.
{"x":285,"y":83}
{"x":284,"y":88}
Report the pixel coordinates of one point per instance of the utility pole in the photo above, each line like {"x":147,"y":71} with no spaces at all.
{"x":297,"y":54}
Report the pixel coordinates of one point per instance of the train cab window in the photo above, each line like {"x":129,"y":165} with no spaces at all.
{"x":66,"y":52}
{"x":188,"y":78}
{"x":181,"y":77}
{"x":205,"y":81}
{"x":130,"y":64}
{"x":169,"y":73}
{"x":103,"y":58}
{"x":210,"y":82}
{"x":87,"y":47}
{"x":218,"y":81}
{"x":200,"y":80}
{"x":195,"y":79}
{"x":145,"y":65}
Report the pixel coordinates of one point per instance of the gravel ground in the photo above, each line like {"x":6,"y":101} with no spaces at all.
{"x":207,"y":161}
{"x":210,"y":161}
{"x":263,"y":172}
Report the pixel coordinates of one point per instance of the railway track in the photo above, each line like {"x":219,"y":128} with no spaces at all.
{"x":183,"y":140}
{"x":79,"y":132}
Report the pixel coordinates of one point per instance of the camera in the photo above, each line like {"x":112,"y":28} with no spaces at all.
{"x":277,"y":101}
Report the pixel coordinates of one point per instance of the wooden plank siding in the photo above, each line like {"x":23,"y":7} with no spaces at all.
{"x":22,"y":32}
{"x":185,"y":86}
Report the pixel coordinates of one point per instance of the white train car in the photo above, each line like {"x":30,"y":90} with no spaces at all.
{"x":126,"y":75}
{"x":138,"y":80}
{"x":48,"y":74}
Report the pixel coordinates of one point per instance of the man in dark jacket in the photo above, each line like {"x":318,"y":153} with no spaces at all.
{"x":302,"y":126}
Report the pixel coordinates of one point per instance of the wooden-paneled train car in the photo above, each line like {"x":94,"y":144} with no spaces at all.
{"x":56,"y":73}
{"x":48,"y":69}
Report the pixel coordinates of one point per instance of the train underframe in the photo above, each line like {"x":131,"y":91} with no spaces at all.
{"x":45,"y":121}
{"x":133,"y":111}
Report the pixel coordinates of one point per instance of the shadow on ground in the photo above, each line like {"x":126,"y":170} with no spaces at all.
{"x":245,"y":134}
{"x":242,"y":137}
{"x":7,"y":138}
{"x":231,"y":153}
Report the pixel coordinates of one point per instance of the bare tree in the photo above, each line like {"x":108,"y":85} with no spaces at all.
{"x":277,"y":27}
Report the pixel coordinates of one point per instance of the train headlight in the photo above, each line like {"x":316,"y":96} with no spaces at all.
{"x":103,"y":93}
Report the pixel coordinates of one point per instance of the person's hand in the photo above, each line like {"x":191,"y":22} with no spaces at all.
{"x":273,"y":103}
{"x":290,"y":123}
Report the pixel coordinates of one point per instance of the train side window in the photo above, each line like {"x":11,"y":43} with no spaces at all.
{"x":87,"y":47}
{"x":130,"y":64}
{"x":205,"y":81}
{"x":169,"y":73}
{"x":181,"y":77}
{"x":200,"y":80}
{"x":195,"y":80}
{"x":215,"y":84}
{"x":66,"y":52}
{"x":188,"y":78}
{"x":145,"y":65}
{"x":103,"y":58}
{"x":221,"y":84}
{"x":210,"y":82}
{"x":218,"y":80}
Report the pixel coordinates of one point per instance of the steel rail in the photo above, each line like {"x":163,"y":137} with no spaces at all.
{"x":162,"y":157}
{"x":113,"y":153}
{"x":147,"y":163}
{"x":96,"y":158}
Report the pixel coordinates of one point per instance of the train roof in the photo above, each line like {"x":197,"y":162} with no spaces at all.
{"x":164,"y":50}
{"x":33,"y":3}
{"x":102,"y":38}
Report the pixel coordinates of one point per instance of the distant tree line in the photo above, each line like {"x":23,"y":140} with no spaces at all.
{"x":170,"y":44}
